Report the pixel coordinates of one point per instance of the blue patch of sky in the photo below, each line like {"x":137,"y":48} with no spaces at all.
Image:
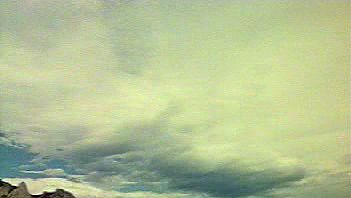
{"x":11,"y":158}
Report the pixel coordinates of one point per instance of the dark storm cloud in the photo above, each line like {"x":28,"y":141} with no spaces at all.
{"x":225,"y":181}
{"x":160,"y":160}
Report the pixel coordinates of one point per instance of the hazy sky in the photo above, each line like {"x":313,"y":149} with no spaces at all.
{"x":178,"y":99}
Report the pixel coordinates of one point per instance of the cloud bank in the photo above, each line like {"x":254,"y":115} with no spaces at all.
{"x":81,"y":190}
{"x":222,"y":99}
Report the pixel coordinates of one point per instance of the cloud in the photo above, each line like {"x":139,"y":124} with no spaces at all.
{"x":7,"y":142}
{"x":326,"y":184}
{"x":49,"y":172}
{"x":224,"y":99}
{"x":81,"y":190}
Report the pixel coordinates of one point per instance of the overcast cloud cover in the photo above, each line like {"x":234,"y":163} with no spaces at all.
{"x":176,"y":98}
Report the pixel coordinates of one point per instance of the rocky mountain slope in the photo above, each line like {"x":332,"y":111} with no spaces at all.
{"x":9,"y":191}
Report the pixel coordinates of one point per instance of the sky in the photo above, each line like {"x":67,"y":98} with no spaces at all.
{"x":176,"y":99}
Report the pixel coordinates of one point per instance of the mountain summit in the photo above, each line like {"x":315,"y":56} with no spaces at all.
{"x":9,"y":191}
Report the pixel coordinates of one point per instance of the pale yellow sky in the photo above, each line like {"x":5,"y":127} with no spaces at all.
{"x":257,"y":91}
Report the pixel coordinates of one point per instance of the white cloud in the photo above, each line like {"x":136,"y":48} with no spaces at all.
{"x":57,"y":172}
{"x":82,"y":190}
{"x":5,"y":141}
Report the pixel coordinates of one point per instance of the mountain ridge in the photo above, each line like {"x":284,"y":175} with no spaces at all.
{"x":21,"y":191}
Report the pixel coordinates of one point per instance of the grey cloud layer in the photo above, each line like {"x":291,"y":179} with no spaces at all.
{"x":227,"y":99}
